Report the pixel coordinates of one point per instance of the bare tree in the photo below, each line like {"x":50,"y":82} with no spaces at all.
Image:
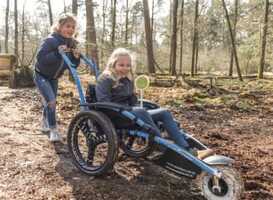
{"x":75,"y":7}
{"x":173,"y":39}
{"x":148,"y":37}
{"x":263,"y":47}
{"x":113,"y":12}
{"x":181,"y":36}
{"x":7,"y":28}
{"x":50,"y":13}
{"x":64,"y":6}
{"x":91,"y":41}
{"x":23,"y":36}
{"x":234,"y":33}
{"x":15,"y":29}
{"x":126,"y":22}
{"x":232,"y":41}
{"x":104,"y":7}
{"x":194,"y":41}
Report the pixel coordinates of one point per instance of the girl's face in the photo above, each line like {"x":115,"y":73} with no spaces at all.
{"x":123,"y":65}
{"x":67,"y":30}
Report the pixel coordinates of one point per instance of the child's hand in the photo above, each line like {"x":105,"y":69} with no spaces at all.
{"x":76,"y":53}
{"x":63,"y":48}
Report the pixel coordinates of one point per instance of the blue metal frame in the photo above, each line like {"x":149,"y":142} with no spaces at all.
{"x":159,"y":140}
{"x":72,"y":68}
{"x":172,"y":146}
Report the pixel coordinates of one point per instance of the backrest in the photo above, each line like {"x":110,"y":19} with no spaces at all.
{"x":91,"y":93}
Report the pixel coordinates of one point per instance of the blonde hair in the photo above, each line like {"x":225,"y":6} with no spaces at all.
{"x":110,"y":67}
{"x":63,"y":18}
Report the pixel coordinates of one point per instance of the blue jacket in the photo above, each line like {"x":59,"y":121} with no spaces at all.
{"x":49,"y":62}
{"x":122,"y":91}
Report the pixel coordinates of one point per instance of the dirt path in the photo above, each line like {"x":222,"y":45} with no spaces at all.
{"x":33,"y":168}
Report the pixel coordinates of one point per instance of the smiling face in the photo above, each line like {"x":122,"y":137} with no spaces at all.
{"x":67,"y":29}
{"x":123,"y":65}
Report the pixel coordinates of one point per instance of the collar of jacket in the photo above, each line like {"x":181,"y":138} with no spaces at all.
{"x":61,"y":38}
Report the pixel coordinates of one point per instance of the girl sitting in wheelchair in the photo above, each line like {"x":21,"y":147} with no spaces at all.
{"x":116,"y":84}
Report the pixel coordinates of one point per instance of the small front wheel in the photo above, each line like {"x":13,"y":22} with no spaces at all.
{"x":230,"y":185}
{"x":92,"y":142}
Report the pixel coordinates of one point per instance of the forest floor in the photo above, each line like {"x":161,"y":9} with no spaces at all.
{"x":235,"y":119}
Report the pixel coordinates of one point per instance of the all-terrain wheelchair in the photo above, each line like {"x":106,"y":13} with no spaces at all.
{"x":99,"y":130}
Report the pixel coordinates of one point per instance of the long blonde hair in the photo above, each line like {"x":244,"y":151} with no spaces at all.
{"x":110,"y":67}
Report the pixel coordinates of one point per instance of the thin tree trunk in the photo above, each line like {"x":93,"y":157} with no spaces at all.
{"x":15,"y":29}
{"x":126,"y":22}
{"x":149,"y":42}
{"x":91,"y":47}
{"x":23,"y":36}
{"x":152,"y":18}
{"x":64,"y":7}
{"x":113,"y":10}
{"x":232,"y":41}
{"x":7,"y":28}
{"x":181,"y":36}
{"x":234,"y":33}
{"x":75,"y":7}
{"x":194,"y":38}
{"x":104,"y":6}
{"x":263,"y":47}
{"x":50,"y":13}
{"x":196,"y":53}
{"x":173,"y":39}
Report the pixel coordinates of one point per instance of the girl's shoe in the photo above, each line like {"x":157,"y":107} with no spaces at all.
{"x":45,"y":127}
{"x":54,"y":135}
{"x":201,"y":154}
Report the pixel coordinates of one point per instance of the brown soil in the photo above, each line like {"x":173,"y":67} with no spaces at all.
{"x":33,"y":168}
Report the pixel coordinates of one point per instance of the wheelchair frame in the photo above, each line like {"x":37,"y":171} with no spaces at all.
{"x":175,"y":159}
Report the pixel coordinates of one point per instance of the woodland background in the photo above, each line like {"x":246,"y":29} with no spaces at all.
{"x":169,"y":37}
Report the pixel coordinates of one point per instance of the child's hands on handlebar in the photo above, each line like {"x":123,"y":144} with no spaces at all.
{"x":76,"y":53}
{"x":63,"y":48}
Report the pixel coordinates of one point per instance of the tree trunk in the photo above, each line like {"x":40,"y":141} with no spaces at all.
{"x":232,"y":41}
{"x":126,"y":22}
{"x":15,"y":30}
{"x":181,"y":36}
{"x":196,"y":53}
{"x":64,"y":7}
{"x":149,"y":41}
{"x":104,"y":6}
{"x":50,"y":13}
{"x":91,"y":41}
{"x":263,"y":47}
{"x":234,"y":33}
{"x":23,"y":36}
{"x":173,"y":39}
{"x":194,"y":38}
{"x":7,"y":28}
{"x":113,"y":10}
{"x":152,"y":20}
{"x":75,"y":7}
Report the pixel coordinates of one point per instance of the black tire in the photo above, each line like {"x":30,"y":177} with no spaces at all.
{"x":88,"y":131}
{"x":231,"y":185}
{"x":135,"y":147}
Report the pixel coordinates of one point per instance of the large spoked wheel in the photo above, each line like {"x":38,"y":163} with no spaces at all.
{"x":230,"y":185}
{"x":92,"y":142}
{"x":136,"y":147}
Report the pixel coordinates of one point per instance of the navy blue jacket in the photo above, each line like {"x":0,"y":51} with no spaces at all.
{"x":49,"y":62}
